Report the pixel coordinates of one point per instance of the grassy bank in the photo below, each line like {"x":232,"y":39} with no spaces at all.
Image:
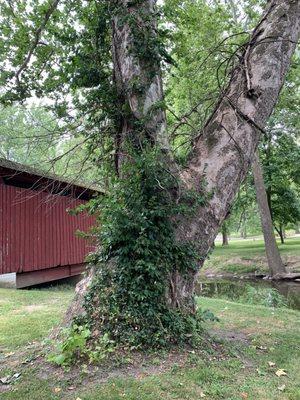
{"x":248,"y":256}
{"x":253,"y":343}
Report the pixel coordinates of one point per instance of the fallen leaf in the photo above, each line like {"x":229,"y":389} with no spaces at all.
{"x":9,"y":354}
{"x":71,"y":387}
{"x":5,"y":380}
{"x":244,"y":395}
{"x":57,"y":390}
{"x":280,"y":372}
{"x":281,"y":388}
{"x":202,"y":394}
{"x":271,"y":364}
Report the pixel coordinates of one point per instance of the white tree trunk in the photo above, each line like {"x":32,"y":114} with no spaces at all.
{"x":224,"y":150}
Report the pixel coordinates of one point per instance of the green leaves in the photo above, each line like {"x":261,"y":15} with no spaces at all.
{"x":74,"y":344}
{"x":128,"y":299}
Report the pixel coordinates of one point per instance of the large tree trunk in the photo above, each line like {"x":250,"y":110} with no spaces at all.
{"x":138,"y":80}
{"x":275,"y":264}
{"x":224,"y":149}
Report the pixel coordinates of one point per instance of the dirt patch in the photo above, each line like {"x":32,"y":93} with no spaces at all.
{"x":137,"y":365}
{"x":33,"y":307}
{"x":231,"y":336}
{"x":292,"y":263}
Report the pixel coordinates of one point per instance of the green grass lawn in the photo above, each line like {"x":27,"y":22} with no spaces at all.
{"x":255,"y":247}
{"x":28,"y":315}
{"x":247,"y":256}
{"x":265,"y":336}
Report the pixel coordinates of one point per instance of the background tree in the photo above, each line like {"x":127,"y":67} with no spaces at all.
{"x":275,"y":263}
{"x":225,"y":233}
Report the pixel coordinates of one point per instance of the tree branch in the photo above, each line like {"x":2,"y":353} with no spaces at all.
{"x":36,"y":40}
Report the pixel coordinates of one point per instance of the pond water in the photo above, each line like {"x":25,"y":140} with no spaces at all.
{"x":268,"y":293}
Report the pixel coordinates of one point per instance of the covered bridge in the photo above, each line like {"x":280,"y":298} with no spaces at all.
{"x":38,"y":238}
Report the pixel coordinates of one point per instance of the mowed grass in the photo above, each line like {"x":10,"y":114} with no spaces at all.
{"x":28,"y":315}
{"x":265,"y":336}
{"x":247,"y":255}
{"x":255,"y":247}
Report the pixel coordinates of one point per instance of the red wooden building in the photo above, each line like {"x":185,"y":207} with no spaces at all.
{"x":38,"y":238}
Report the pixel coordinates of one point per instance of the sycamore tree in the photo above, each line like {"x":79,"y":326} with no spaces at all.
{"x":103,"y":64}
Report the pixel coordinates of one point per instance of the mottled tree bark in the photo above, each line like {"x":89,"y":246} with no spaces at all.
{"x":224,"y":150}
{"x":138,"y":79}
{"x":275,"y":264}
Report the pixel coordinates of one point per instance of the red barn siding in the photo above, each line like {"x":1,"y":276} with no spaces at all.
{"x":37,"y":233}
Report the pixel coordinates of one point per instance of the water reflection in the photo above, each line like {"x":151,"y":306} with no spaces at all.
{"x":246,"y":290}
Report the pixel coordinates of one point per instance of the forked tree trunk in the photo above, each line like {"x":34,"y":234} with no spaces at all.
{"x":224,"y":149}
{"x":275,"y":264}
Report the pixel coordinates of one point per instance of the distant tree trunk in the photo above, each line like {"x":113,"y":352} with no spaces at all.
{"x":244,"y":228}
{"x":224,"y":234}
{"x":275,"y":264}
{"x":268,"y":155}
{"x":297,"y":228}
{"x":281,"y":233}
